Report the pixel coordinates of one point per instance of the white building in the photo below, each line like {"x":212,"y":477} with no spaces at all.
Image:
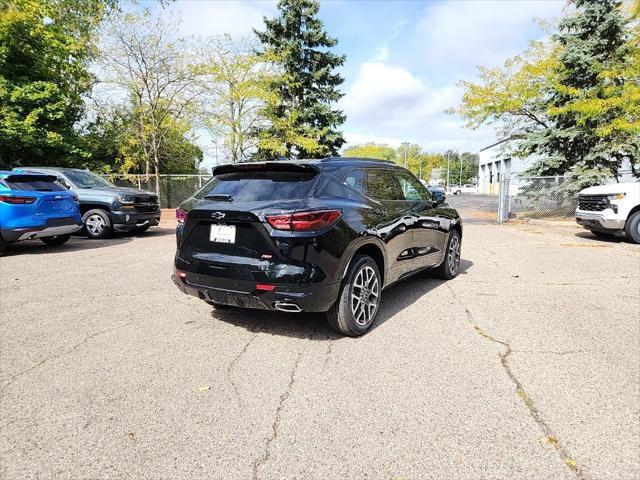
{"x":495,"y":164}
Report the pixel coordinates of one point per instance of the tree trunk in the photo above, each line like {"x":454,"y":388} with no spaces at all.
{"x":157,"y":173}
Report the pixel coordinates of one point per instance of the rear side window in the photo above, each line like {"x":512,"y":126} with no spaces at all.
{"x":355,"y":180}
{"x":380,"y":185}
{"x":33,"y":184}
{"x":259,"y":186}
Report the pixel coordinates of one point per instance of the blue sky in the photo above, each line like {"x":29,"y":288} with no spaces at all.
{"x":404,"y":58}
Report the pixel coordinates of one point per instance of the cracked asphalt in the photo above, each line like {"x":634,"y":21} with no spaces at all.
{"x":525,"y":366}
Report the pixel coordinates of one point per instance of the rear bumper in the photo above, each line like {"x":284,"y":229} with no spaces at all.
{"x":605,"y":220}
{"x":309,"y":298}
{"x":124,"y":221}
{"x":18,"y":234}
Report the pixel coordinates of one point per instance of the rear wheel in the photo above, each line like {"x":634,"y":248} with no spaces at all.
{"x":359,"y":300}
{"x":97,"y":224}
{"x":56,"y":240}
{"x":448,"y":269}
{"x":3,"y":244}
{"x":632,"y":227}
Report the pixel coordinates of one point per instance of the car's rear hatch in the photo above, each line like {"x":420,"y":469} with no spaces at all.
{"x":39,"y":198}
{"x":227,"y":242}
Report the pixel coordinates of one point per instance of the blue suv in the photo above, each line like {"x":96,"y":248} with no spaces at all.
{"x":34,"y":205}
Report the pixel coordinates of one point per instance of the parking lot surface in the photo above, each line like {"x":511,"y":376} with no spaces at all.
{"x":527,"y":365}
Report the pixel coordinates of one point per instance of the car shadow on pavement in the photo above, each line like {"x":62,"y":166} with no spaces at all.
{"x":80,"y":242}
{"x":314,"y":326}
{"x":605,"y":239}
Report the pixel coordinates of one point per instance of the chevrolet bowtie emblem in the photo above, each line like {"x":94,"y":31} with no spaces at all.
{"x":217,"y":215}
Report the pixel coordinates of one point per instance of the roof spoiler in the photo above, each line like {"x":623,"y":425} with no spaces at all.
{"x":278,"y":166}
{"x":30,"y":176}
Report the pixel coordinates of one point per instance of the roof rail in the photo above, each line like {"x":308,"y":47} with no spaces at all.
{"x":356,"y":159}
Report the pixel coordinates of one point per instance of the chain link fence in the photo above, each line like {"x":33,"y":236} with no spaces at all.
{"x":537,"y":198}
{"x":174,"y":189}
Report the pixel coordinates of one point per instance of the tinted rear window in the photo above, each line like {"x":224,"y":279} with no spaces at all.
{"x":33,"y":185}
{"x":260,"y":186}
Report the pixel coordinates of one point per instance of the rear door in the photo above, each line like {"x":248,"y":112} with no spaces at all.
{"x":429,"y":234}
{"x":394,"y":219}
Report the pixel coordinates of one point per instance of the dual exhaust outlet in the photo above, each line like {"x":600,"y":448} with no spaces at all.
{"x":287,"y":307}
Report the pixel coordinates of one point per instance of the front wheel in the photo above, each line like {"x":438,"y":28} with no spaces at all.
{"x":632,"y":227}
{"x":55,"y":240}
{"x":448,"y":269}
{"x":359,"y":299}
{"x":97,"y":224}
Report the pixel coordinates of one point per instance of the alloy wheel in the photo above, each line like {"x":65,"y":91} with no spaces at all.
{"x":453,"y":255}
{"x":95,"y":224}
{"x":365,"y":295}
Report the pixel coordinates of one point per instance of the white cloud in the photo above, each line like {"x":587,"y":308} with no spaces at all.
{"x":388,"y":104}
{"x":382,"y":53}
{"x":457,"y":36}
{"x":201,"y":18}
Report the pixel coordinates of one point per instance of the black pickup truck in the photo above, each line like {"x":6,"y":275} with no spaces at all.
{"x":105,"y":207}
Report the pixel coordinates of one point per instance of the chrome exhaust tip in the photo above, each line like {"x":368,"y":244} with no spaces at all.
{"x":287,"y":307}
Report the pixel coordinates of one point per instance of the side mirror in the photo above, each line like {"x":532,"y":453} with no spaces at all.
{"x":438,"y":197}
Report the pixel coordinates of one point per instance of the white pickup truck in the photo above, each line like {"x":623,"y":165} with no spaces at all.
{"x":610,"y":209}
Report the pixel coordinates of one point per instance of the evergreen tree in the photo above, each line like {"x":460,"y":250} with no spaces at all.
{"x":593,"y":40}
{"x":302,"y":121}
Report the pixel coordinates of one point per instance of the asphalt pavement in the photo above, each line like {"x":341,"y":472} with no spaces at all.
{"x":527,"y":365}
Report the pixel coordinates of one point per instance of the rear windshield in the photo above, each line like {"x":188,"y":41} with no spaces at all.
{"x":33,"y":185}
{"x":259,"y":186}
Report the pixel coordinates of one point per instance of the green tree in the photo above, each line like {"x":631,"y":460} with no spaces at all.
{"x":612,"y":106}
{"x":45,"y":50}
{"x":145,"y":63}
{"x":371,"y":150}
{"x":512,"y":97}
{"x":593,"y":40}
{"x":301,"y":116}
{"x":235,"y":82}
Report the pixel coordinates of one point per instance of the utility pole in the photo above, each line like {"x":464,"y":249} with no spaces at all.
{"x":448,"y":166}
{"x":460,"y":159}
{"x":405,"y":145}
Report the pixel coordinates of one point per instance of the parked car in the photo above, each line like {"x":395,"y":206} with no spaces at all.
{"x":36,"y":206}
{"x":610,"y":209}
{"x":437,"y":193}
{"x":459,"y":190}
{"x":316,"y":236}
{"x":104,"y":206}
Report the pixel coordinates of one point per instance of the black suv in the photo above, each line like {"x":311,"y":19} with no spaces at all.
{"x":104,"y":206}
{"x":312,"y":235}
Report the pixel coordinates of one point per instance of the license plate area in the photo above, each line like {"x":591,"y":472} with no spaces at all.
{"x":222,"y":233}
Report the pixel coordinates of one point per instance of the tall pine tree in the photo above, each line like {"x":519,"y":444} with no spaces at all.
{"x":593,"y":40}
{"x":302,"y":120}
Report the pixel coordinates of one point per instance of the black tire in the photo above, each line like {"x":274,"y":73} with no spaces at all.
{"x":97,"y":224}
{"x":632,"y":227}
{"x":450,"y":265}
{"x":3,"y":245}
{"x":361,"y":284}
{"x":56,"y":240}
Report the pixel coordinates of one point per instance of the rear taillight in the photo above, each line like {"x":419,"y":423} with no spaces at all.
{"x":304,"y":221}
{"x":16,"y":200}
{"x":181,"y":215}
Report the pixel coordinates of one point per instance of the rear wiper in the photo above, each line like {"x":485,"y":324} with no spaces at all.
{"x":223,"y":197}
